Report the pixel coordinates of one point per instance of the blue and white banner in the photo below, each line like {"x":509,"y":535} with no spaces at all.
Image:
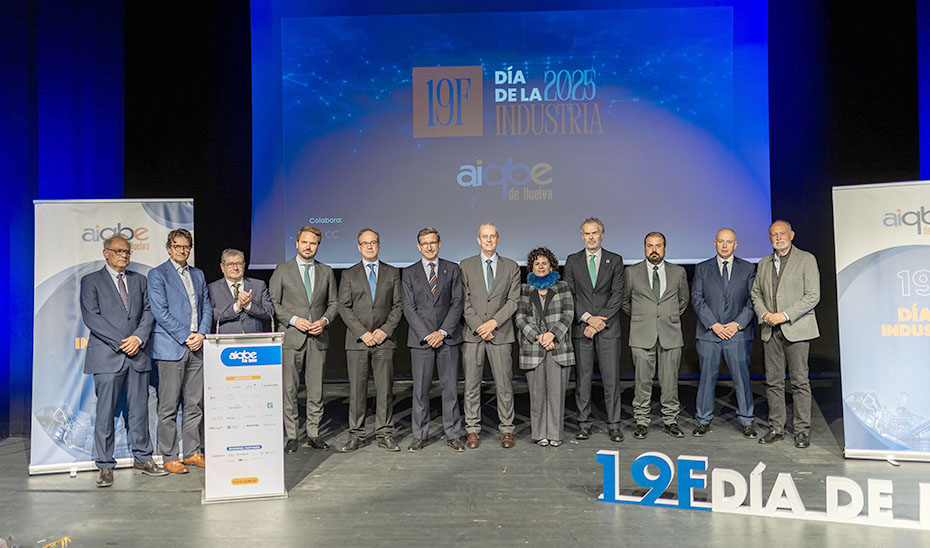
{"x":882,"y":237}
{"x":69,"y":245}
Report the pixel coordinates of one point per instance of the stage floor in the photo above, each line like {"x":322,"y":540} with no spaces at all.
{"x":491,"y":496}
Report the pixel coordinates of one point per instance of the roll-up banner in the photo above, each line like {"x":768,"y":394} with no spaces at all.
{"x":882,"y":237}
{"x":63,"y":400}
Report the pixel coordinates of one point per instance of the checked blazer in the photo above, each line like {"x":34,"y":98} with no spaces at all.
{"x":559,"y":314}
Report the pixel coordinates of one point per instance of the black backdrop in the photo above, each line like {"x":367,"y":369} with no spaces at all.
{"x":843,"y":110}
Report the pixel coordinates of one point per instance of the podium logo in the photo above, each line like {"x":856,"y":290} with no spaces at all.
{"x":447,"y":102}
{"x":253,"y":355}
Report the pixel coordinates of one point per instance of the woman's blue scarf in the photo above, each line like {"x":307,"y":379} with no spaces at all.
{"x":544,"y":282}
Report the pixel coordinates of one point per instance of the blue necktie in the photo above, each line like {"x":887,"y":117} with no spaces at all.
{"x":372,"y":280}
{"x":726,"y":276}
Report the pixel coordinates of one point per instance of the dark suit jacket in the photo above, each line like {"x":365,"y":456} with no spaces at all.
{"x":557,"y":319}
{"x":172,"y":310}
{"x":427,"y":312}
{"x":604,"y":298}
{"x":714,"y":305}
{"x":289,"y":297}
{"x":109,"y":322}
{"x":500,"y":304}
{"x":362,"y":314}
{"x":246,"y":321}
{"x":652,"y":320}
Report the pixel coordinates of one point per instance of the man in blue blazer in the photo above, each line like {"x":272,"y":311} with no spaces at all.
{"x":115,"y":307}
{"x":240,"y":304}
{"x":433,"y":305}
{"x":721,"y":299}
{"x":181,"y":307}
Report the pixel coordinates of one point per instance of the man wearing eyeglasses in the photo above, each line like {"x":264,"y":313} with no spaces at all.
{"x":370,"y":305}
{"x":181,"y":307}
{"x":115,"y":308}
{"x":240,"y":304}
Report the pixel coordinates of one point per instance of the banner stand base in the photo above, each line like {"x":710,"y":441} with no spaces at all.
{"x":203,"y":498}
{"x":890,"y":456}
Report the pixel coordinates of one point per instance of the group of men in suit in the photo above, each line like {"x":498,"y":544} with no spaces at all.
{"x":134,"y":320}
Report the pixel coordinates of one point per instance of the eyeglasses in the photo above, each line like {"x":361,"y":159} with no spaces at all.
{"x":428,"y":244}
{"x":367,"y":244}
{"x":180,"y":247}
{"x":238,"y":264}
{"x":121,"y":252}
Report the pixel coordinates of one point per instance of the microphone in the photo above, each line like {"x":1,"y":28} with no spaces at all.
{"x":220,"y":316}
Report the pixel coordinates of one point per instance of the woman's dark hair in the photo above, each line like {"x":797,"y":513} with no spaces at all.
{"x":541,"y":252}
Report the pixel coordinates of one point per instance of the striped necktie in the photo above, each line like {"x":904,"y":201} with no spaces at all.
{"x":432,"y":278}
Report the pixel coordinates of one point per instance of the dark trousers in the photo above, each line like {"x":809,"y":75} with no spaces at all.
{"x":782,"y":354}
{"x":737,"y":355}
{"x":180,"y":382}
{"x":608,"y":357}
{"x":422,"y":362}
{"x":382,"y":367}
{"x":108,"y":387}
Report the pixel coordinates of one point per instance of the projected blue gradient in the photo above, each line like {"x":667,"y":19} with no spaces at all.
{"x":651,"y":119}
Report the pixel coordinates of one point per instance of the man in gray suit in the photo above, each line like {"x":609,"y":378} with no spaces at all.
{"x":303,"y":292}
{"x":240,"y":304}
{"x":786,"y":290}
{"x":596,"y":278}
{"x":656,"y":295}
{"x":433,"y":308}
{"x":370,"y":305}
{"x":115,"y":308}
{"x":492,"y":289}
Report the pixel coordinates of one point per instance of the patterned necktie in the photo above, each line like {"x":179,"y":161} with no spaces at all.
{"x":307,"y":285}
{"x":432,"y":278}
{"x":121,"y":286}
{"x":490,"y":276}
{"x":236,"y":290}
{"x":592,"y":270}
{"x":372,"y":280}
{"x":656,"y":283}
{"x":726,"y":276}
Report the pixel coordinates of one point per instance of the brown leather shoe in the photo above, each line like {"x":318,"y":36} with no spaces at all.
{"x":507,"y":440}
{"x":105,"y":479}
{"x":196,"y":460}
{"x":472,"y":442}
{"x":176,"y":467}
{"x":149,"y":468}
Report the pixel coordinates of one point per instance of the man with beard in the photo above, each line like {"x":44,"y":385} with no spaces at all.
{"x":786,"y":290}
{"x":655,"y":297}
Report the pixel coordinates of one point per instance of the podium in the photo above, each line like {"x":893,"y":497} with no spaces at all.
{"x":242,"y":417}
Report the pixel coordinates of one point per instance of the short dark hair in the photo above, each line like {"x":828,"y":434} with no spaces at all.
{"x":180,"y":233}
{"x":428,"y":230}
{"x":541,"y":252}
{"x":651,"y":234}
{"x":364,"y":230}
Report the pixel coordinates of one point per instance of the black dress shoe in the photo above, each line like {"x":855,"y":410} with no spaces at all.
{"x":615,"y":435}
{"x":802,"y":440}
{"x":290,"y":446}
{"x":416,"y":445}
{"x":641,"y":431}
{"x":317,"y":443}
{"x":674,"y":431}
{"x":584,"y":433}
{"x":456,"y":445}
{"x":748,"y":432}
{"x":771,"y":437}
{"x":701,"y":430}
{"x":351,"y":445}
{"x":105,"y":479}
{"x":388,"y":444}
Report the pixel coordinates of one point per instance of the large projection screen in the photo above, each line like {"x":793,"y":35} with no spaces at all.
{"x":648,"y":118}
